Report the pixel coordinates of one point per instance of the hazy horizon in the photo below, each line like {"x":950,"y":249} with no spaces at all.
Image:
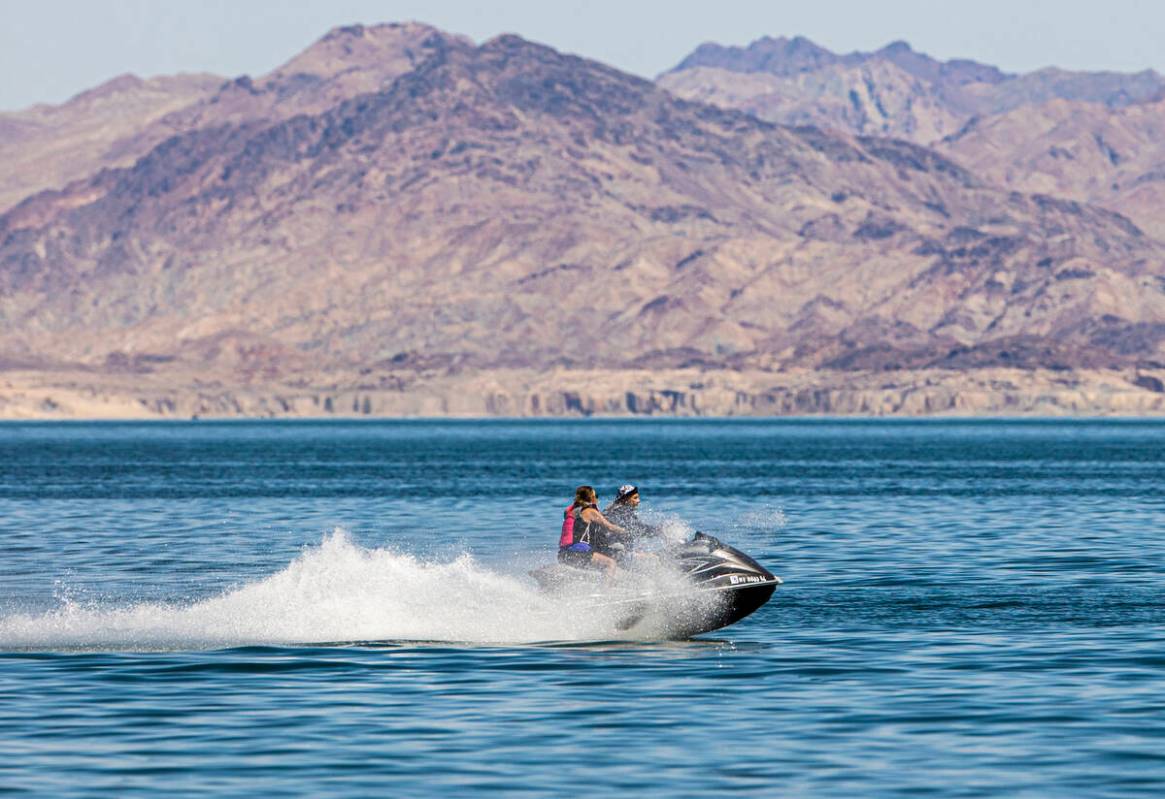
{"x":94,"y":42}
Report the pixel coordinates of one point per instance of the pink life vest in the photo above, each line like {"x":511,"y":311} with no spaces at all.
{"x":567,"y":537}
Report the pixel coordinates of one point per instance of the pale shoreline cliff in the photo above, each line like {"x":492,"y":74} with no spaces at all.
{"x":579,"y":393}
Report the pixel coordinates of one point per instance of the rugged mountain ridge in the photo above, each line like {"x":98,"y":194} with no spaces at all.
{"x":507,"y":207}
{"x":120,"y":121}
{"x":783,"y":57}
{"x":871,"y":83}
{"x":1089,"y":137}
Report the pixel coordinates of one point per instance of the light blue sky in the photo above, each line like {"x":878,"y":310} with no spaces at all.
{"x":52,"y":49}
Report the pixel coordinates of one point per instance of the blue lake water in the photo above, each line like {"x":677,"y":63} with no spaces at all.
{"x":970,"y":608}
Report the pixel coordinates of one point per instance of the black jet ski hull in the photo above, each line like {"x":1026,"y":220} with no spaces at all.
{"x":724,"y":586}
{"x":735,"y":584}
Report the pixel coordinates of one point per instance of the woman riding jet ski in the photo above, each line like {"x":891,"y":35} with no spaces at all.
{"x":583,"y":530}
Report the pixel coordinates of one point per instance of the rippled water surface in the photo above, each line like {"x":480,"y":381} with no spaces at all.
{"x":342,"y":609}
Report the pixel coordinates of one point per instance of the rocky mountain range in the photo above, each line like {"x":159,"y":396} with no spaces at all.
{"x":401,"y":221}
{"x":1092,"y":137}
{"x":877,"y":93}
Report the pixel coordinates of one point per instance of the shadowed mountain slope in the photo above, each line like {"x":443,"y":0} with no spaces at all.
{"x":49,"y":146}
{"x":1111,"y":157}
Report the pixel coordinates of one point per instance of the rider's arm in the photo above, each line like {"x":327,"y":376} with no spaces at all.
{"x":650,"y":529}
{"x":602,"y":520}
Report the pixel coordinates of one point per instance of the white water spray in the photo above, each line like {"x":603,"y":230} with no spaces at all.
{"x":333,"y":593}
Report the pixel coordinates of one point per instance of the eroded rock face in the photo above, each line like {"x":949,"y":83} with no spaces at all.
{"x":459,"y":210}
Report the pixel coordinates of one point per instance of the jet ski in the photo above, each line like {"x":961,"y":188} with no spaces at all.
{"x":718,"y":586}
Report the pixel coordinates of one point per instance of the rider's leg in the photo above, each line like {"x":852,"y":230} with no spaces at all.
{"x":607,"y":563}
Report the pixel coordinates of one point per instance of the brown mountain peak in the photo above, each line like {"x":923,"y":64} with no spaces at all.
{"x":384,"y":51}
{"x":776,"y":56}
{"x":117,"y":85}
{"x":897,"y":46}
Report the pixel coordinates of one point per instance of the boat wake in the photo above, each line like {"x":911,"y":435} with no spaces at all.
{"x":337,"y":592}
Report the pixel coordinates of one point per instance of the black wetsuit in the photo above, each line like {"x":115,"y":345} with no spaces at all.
{"x":627,"y":517}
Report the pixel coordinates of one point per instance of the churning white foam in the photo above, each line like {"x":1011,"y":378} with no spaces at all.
{"x":335,"y":592}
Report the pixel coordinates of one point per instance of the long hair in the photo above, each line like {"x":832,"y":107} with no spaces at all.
{"x":585,"y":495}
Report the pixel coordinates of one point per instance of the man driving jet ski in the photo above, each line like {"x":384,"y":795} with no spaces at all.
{"x":624,"y":511}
